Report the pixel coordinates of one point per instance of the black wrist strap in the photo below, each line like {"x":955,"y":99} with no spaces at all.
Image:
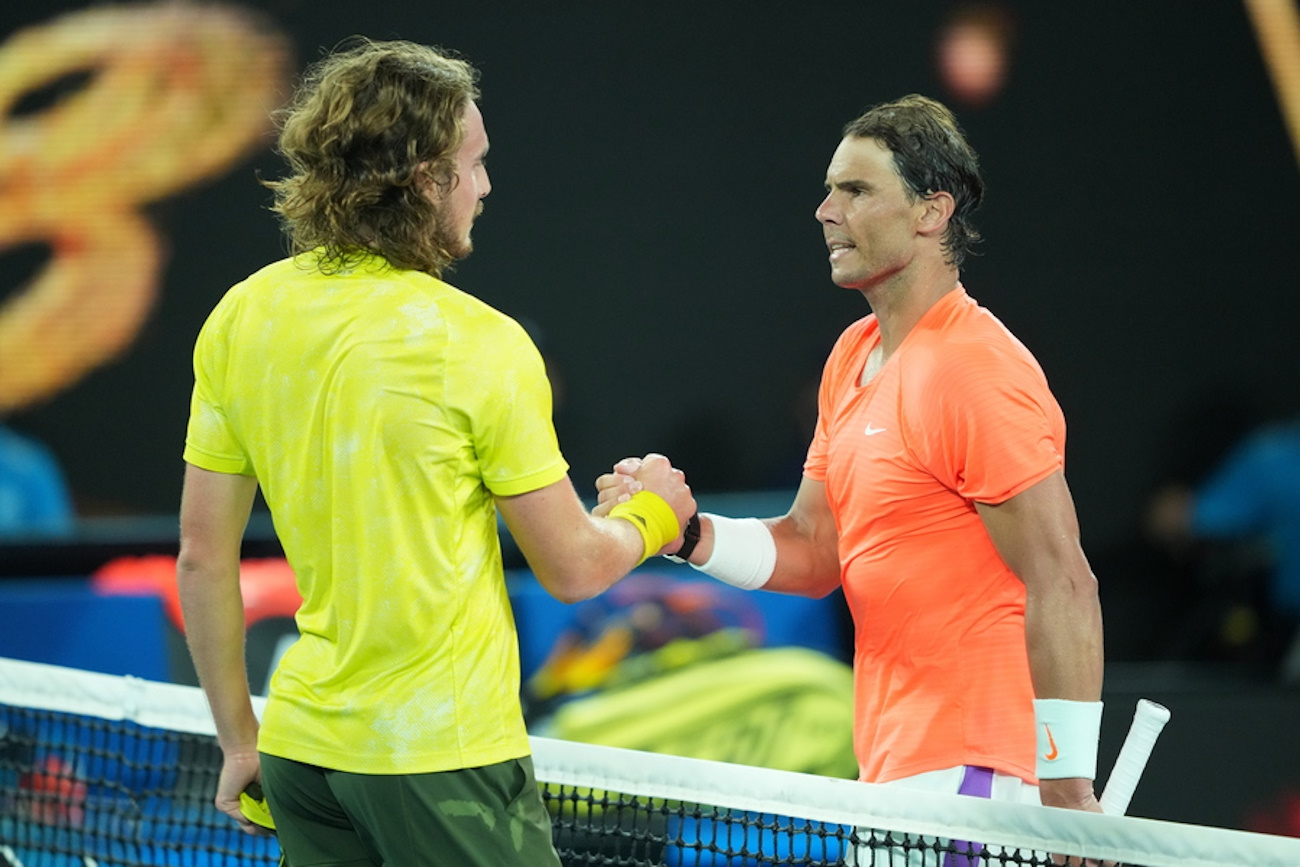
{"x":690,"y":538}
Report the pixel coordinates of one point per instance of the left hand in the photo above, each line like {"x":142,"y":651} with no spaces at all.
{"x":1072,"y":794}
{"x":239,"y":768}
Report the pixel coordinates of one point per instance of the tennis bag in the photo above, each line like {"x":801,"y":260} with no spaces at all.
{"x":787,"y":708}
{"x":677,"y":668}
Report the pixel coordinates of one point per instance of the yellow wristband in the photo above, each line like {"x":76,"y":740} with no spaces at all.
{"x":653,"y":518}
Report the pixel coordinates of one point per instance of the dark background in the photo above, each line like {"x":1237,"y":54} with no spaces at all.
{"x":655,"y":171}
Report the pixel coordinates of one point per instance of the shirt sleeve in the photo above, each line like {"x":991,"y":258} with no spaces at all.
{"x":839,"y":372}
{"x":814,"y":466}
{"x":988,"y":427}
{"x":511,"y":415}
{"x":210,"y":440}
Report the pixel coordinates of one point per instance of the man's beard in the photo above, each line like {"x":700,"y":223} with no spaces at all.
{"x":457,"y":246}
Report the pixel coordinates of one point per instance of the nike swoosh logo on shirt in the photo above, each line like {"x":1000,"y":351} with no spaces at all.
{"x":872,"y":431}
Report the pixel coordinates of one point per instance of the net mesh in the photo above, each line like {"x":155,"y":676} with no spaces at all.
{"x":101,"y":770}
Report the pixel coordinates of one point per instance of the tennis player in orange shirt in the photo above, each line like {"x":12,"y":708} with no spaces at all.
{"x":934,"y":494}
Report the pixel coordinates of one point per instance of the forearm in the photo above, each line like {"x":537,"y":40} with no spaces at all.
{"x":805,"y":554}
{"x":797,"y":553}
{"x":214,"y":619}
{"x":214,"y":632}
{"x":772,"y":554}
{"x":593,"y":555}
{"x":807,"y":561}
{"x":214,"y":512}
{"x":576,"y":555}
{"x":1037,"y":535}
{"x":1063,"y":635}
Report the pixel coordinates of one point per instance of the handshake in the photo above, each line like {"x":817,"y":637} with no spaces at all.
{"x":654,"y":497}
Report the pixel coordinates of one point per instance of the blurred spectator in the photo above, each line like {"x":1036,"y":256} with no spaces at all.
{"x":1243,"y":525}
{"x":34,"y":499}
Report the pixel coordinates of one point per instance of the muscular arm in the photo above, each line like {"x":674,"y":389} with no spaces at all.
{"x":807,"y":545}
{"x":807,"y":542}
{"x":575,"y":555}
{"x":807,"y":555}
{"x":214,"y":512}
{"x":1037,"y":534}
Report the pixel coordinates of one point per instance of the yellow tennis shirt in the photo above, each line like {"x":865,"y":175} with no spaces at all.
{"x":380,"y":411}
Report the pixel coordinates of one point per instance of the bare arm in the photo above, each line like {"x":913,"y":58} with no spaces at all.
{"x":807,"y":554}
{"x":575,"y":555}
{"x":1037,"y":533}
{"x":214,"y":512}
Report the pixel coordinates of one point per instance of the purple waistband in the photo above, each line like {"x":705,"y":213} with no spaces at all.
{"x":977,"y":783}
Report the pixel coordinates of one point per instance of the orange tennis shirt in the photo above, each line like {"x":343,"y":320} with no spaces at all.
{"x":960,"y":413}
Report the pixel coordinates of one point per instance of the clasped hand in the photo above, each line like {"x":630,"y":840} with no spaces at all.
{"x":654,"y":473}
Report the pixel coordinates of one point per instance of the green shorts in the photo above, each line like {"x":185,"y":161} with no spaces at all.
{"x":478,"y":817}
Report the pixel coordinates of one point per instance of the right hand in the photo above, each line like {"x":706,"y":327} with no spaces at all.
{"x":654,"y":473}
{"x":657,"y":475}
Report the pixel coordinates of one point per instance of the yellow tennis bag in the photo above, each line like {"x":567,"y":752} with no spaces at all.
{"x":673,"y":667}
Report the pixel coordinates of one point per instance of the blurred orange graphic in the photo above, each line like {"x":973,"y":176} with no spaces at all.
{"x":173,"y":93}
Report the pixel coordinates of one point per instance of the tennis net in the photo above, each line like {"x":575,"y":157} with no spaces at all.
{"x":104,"y":770}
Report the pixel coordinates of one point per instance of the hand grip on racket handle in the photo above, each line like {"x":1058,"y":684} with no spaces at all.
{"x":1148,"y":721}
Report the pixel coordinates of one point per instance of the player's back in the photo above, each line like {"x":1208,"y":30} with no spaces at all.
{"x":355,"y":397}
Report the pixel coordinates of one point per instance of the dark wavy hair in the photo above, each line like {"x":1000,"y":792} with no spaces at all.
{"x":369,"y":128}
{"x":931,"y":154}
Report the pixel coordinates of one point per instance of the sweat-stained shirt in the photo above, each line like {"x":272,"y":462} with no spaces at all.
{"x":960,"y":413}
{"x":381,"y":410}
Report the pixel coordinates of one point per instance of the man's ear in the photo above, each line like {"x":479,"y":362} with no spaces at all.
{"x":937,"y":210}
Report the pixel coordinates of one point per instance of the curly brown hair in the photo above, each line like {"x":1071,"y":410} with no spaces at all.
{"x":930,"y":154}
{"x":371,"y":126}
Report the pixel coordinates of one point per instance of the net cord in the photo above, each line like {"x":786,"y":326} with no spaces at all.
{"x":1150,"y":842}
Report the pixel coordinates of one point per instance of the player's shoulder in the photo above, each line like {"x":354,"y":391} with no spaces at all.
{"x":458,"y":301}
{"x":273,"y":274}
{"x":260,"y":283}
{"x":965,"y":346}
{"x":845,"y":359}
{"x":863,"y":327}
{"x":474,"y":323}
{"x":857,"y":334}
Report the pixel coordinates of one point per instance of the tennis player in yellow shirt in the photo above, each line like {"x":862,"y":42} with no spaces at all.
{"x":387,"y":418}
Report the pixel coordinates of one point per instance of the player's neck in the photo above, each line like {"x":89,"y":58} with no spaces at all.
{"x":899,"y":304}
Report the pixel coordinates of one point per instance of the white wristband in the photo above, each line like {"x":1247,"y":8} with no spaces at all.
{"x":744,"y":552}
{"x":1068,"y":732}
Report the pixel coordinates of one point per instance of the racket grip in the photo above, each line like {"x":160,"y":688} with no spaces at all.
{"x":1148,"y":721}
